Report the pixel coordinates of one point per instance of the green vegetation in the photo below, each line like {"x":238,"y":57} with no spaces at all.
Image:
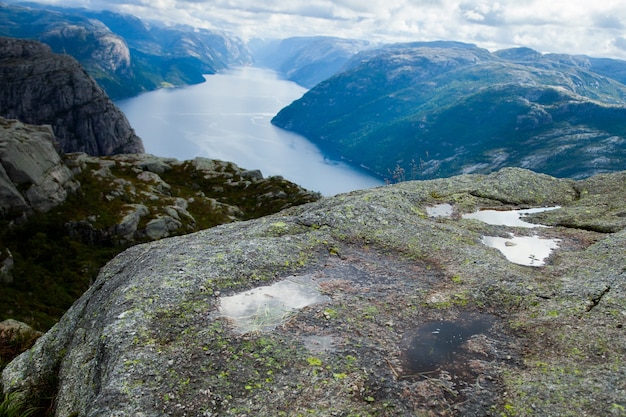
{"x":58,"y":254}
{"x":51,"y":269}
{"x":12,"y":406}
{"x":423,"y":113}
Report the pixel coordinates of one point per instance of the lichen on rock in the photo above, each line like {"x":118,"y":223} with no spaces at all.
{"x":146,"y":337}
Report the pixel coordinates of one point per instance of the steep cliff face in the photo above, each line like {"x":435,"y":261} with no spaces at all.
{"x":33,"y":177}
{"x":379,"y":302}
{"x":39,"y":87}
{"x":95,"y":46}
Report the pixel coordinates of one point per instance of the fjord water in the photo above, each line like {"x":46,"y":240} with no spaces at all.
{"x":228,"y":118}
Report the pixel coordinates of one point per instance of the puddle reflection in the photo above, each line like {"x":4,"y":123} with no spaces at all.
{"x":507,"y":218}
{"x":265,"y":308}
{"x":440,"y":210}
{"x":437,"y":345}
{"x":523,"y":250}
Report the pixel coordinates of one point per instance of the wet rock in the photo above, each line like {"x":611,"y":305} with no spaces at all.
{"x":148,"y":336}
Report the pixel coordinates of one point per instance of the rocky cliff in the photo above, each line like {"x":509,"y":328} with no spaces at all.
{"x":40,"y":87}
{"x":383,"y":302}
{"x":124,"y":54}
{"x":33,"y":177}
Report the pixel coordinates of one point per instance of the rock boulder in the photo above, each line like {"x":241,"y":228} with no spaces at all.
{"x":370,"y":305}
{"x":33,"y":176}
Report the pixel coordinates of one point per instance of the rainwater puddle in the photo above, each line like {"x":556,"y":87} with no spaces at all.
{"x":438,"y":345}
{"x":264,"y":308}
{"x":440,"y":210}
{"x":522,"y":250}
{"x":507,"y":217}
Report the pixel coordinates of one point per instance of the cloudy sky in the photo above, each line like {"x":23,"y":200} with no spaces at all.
{"x":592,"y":27}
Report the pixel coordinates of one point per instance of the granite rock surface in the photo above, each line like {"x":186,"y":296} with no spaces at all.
{"x":416,"y":317}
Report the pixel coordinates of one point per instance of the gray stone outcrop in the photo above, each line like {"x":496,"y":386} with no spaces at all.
{"x":127,"y":227}
{"x":148,"y":337}
{"x":39,"y":87}
{"x":32,"y":175}
{"x":161,"y":227}
{"x":152,"y":208}
{"x":6,"y":266}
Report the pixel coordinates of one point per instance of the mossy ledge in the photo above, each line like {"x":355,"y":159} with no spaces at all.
{"x":145,"y":339}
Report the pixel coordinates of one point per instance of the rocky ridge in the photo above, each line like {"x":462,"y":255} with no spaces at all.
{"x":40,"y":87}
{"x":150,"y":336}
{"x":152,"y":197}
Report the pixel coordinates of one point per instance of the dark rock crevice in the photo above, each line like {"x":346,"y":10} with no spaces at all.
{"x":595,"y":300}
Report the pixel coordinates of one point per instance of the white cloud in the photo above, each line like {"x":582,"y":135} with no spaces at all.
{"x":595,"y":28}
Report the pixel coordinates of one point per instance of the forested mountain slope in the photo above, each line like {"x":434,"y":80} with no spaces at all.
{"x":429,"y":110}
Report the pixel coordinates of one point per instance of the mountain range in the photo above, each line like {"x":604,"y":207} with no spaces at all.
{"x":415,"y":313}
{"x":124,"y":54}
{"x":425,"y":110}
{"x":306,"y":60}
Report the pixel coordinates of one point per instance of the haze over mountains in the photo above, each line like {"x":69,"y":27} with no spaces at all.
{"x":306,"y":60}
{"x":404,"y":111}
{"x":124,"y":54}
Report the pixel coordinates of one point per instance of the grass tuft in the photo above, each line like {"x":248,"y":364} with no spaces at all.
{"x":14,"y":406}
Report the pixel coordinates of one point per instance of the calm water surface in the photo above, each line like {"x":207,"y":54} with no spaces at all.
{"x":228,"y":118}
